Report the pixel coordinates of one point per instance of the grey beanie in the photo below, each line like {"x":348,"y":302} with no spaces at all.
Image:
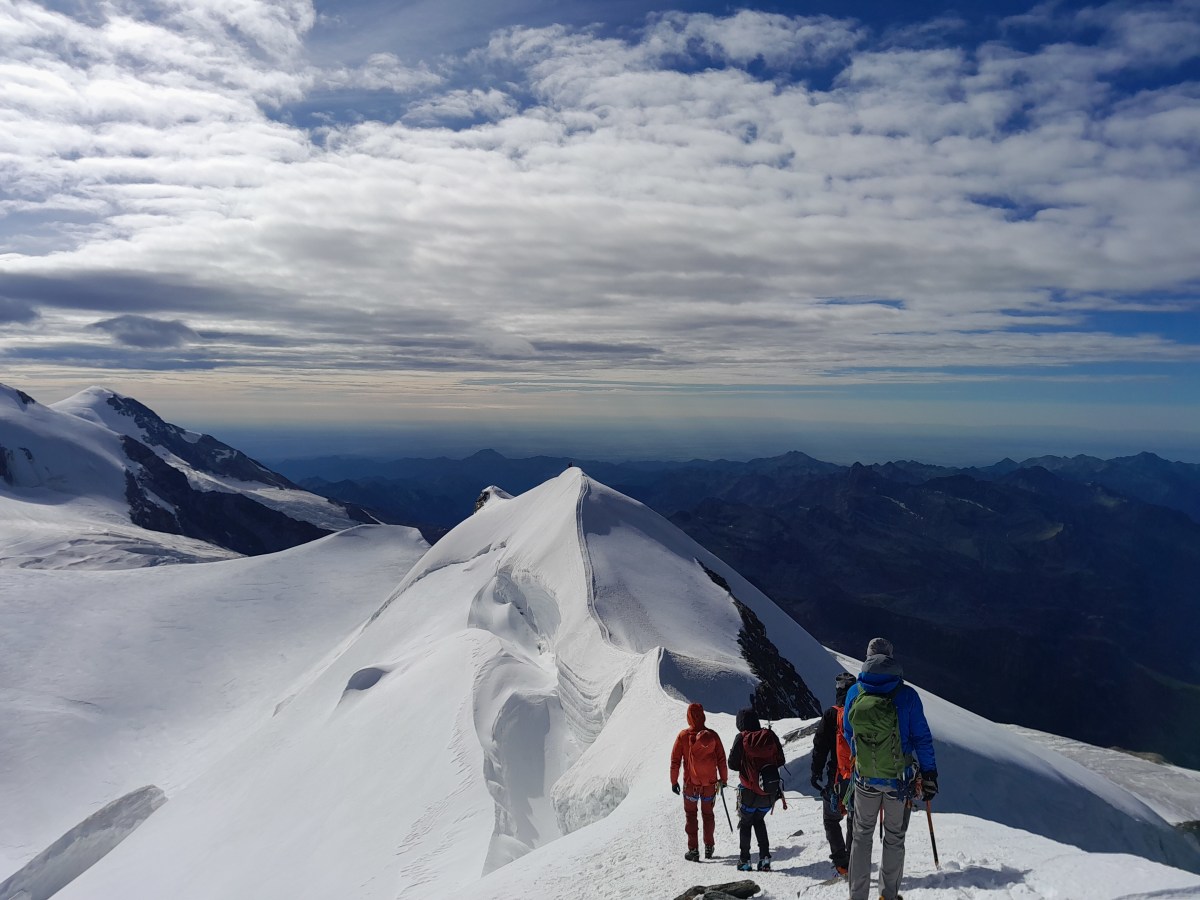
{"x":879,"y":647}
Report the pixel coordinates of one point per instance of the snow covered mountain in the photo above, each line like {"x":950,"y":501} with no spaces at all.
{"x":99,"y":480}
{"x":500,"y":728}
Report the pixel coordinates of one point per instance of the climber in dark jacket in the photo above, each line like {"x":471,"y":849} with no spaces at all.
{"x":831,"y":757}
{"x":752,"y":749}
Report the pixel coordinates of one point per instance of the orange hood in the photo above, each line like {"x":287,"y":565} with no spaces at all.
{"x":695,"y":716}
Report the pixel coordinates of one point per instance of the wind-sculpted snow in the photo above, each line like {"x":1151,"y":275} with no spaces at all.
{"x":500,"y":728}
{"x":80,"y":848}
{"x":110,"y":680}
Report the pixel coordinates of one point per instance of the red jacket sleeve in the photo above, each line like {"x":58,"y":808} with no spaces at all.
{"x":677,"y":756}
{"x":722,"y":769}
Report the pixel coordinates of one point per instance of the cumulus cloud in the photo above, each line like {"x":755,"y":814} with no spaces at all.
{"x":380,"y":72}
{"x":684,"y":201}
{"x":778,"y":41}
{"x":462,"y":105}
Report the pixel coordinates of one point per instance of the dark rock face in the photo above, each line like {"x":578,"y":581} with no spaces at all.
{"x":6,"y":457}
{"x":206,"y":454}
{"x":781,"y":692}
{"x":228,"y":520}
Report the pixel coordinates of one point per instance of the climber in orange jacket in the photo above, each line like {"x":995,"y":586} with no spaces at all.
{"x":702,"y":755}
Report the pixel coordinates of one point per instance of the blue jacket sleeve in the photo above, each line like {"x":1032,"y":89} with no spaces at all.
{"x":915,"y":736}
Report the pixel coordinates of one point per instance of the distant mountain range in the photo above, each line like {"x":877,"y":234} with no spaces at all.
{"x":436,"y":491}
{"x":1056,"y":593}
{"x":100,"y":480}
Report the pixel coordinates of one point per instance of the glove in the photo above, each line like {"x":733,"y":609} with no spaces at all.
{"x":721,"y":785}
{"x":815,"y":781}
{"x":929,"y":785}
{"x":675,"y":788}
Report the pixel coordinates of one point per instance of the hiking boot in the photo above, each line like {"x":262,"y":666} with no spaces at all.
{"x":708,"y":851}
{"x":842,"y":870}
{"x":744,"y":866}
{"x":764,"y":863}
{"x":692,"y":855}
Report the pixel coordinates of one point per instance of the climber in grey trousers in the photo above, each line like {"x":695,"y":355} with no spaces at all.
{"x":884,"y":723}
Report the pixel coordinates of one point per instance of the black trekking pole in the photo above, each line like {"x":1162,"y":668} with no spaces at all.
{"x":723,"y":803}
{"x":932,"y":839}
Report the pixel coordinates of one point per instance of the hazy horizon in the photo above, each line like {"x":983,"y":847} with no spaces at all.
{"x":837,"y":445}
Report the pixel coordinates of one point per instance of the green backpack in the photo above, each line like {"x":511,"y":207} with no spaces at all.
{"x":879,"y":753}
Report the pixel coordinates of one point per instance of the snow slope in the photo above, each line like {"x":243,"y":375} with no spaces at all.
{"x":114,"y":680}
{"x":1171,"y":791}
{"x":501,"y":727}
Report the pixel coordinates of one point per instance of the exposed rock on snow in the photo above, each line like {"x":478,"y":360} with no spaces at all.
{"x":81,"y":847}
{"x":738,"y":889}
{"x":102,"y":473}
{"x":780,"y":693}
{"x":489,"y":494}
{"x":225,"y":519}
{"x":203,"y":452}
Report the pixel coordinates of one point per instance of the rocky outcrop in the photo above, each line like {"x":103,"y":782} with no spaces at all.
{"x":161,"y":499}
{"x":490,"y":493}
{"x":203,"y":452}
{"x":781,"y":692}
{"x":738,"y":889}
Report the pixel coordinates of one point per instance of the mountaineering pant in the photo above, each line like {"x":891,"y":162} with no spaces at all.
{"x":867,"y":803}
{"x":693,"y":799}
{"x":831,"y":818}
{"x":752,"y":815}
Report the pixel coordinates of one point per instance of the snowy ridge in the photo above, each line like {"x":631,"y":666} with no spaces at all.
{"x":500,"y":729}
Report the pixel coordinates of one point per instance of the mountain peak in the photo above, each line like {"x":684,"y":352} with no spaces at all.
{"x":16,"y":398}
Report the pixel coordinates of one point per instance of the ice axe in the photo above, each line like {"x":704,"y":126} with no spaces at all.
{"x":932,"y":839}
{"x":727,"y":819}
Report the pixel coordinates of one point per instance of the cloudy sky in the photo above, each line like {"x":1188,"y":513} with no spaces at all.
{"x":647,"y":219}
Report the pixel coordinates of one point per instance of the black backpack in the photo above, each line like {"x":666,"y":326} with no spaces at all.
{"x":770,"y":783}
